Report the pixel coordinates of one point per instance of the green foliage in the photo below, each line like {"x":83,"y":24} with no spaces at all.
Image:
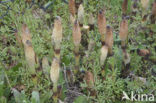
{"x":81,"y":99}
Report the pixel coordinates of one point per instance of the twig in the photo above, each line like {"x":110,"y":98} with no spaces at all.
{"x":65,"y":76}
{"x":6,"y":76}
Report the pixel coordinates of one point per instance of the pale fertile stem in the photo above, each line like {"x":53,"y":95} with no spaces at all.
{"x":123,"y":33}
{"x":72,"y":8}
{"x":76,"y":40}
{"x":109,"y":39}
{"x":55,"y":70}
{"x":104,"y":52}
{"x":89,"y":78}
{"x":91,"y":19}
{"x":81,"y":14}
{"x":102,"y":24}
{"x":28,"y":49}
{"x":154,"y":9}
{"x":145,"y":4}
{"x":57,"y":33}
{"x":124,"y":6}
{"x":76,"y":34}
